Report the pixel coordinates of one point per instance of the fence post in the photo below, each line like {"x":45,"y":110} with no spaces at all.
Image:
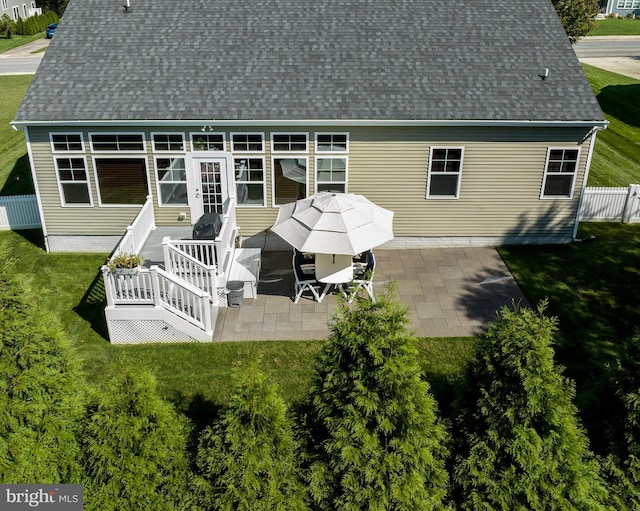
{"x":632,"y":196}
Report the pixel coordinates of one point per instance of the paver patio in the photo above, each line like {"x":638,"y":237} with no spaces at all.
{"x":449,"y":292}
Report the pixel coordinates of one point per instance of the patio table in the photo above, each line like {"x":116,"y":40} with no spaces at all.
{"x":333,"y":270}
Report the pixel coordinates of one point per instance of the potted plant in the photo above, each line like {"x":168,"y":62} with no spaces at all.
{"x":125,"y":264}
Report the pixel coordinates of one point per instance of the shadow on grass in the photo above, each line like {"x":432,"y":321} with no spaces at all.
{"x":19,"y":181}
{"x":621,"y":101}
{"x":91,"y":307}
{"x":34,"y":236}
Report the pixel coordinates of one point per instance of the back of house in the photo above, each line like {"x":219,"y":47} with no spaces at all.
{"x":475,"y":125}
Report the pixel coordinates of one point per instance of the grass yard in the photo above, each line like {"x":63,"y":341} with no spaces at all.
{"x":616,"y":157}
{"x":15,"y":177}
{"x":593,"y":289}
{"x":620,"y":26}
{"x":18,"y":40}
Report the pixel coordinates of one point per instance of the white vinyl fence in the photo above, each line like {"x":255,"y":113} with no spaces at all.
{"x":611,"y":204}
{"x":19,"y":212}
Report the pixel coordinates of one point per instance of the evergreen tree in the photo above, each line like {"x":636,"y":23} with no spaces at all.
{"x":40,"y":396}
{"x":380,"y":445}
{"x":134,"y":447}
{"x":249,"y":455}
{"x":525,"y":448}
{"x":577,"y":16}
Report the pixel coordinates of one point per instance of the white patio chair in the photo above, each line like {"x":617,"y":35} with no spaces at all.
{"x":304,"y":272}
{"x":363,"y":271}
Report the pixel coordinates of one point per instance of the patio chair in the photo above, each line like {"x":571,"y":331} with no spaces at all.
{"x":363,"y":269}
{"x":304,"y":272}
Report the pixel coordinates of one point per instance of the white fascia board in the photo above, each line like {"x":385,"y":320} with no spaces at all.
{"x":319,"y":122}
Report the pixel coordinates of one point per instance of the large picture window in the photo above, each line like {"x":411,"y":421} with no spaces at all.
{"x":445,"y":170}
{"x":289,"y":179}
{"x":73,"y":182}
{"x":172,"y":181}
{"x":250,"y":181}
{"x":560,"y":173}
{"x":121,"y":181}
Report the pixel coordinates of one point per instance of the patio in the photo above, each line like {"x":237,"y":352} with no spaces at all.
{"x":450,"y":292}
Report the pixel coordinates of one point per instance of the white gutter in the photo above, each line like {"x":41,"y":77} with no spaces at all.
{"x":317,"y":122}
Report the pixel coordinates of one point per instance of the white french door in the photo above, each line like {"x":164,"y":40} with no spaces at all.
{"x":208,"y":187}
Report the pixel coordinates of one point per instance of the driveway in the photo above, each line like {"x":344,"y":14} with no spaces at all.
{"x":22,"y":60}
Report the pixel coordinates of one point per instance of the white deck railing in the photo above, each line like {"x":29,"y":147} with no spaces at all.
{"x":155,"y":287}
{"x":138,"y":232}
{"x":179,"y":263}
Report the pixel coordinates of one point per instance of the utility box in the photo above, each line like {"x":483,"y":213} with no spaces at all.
{"x":207,"y":227}
{"x":235,"y":293}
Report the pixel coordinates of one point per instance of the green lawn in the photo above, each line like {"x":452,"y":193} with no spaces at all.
{"x":15,"y":178}
{"x":620,"y":26}
{"x":593,"y":289}
{"x":616,"y":157}
{"x":18,"y":40}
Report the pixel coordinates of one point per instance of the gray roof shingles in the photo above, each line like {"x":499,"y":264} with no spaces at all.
{"x":296,"y":59}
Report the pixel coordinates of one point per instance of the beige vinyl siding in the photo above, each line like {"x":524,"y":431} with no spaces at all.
{"x":500,"y":188}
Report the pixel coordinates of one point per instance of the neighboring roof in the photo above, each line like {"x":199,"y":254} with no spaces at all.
{"x":309,"y":60}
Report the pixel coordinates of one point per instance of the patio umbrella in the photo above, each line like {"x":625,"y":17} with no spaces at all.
{"x":334,"y":223}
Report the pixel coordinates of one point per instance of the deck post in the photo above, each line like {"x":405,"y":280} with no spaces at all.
{"x":155,"y":286}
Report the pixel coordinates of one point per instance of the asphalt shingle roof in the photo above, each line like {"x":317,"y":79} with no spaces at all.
{"x":309,"y":60}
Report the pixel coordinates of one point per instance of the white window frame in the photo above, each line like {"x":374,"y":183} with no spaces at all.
{"x":546,"y":174}
{"x":25,"y":11}
{"x":287,"y":156}
{"x":119,"y":155}
{"x":5,"y":5}
{"x":331,"y":133}
{"x":166,"y":156}
{"x":332,"y":156}
{"x":220,"y":133}
{"x":168,"y":133}
{"x":290,"y":151}
{"x":628,"y":4}
{"x":66,"y":133}
{"x":16,"y":12}
{"x":431,"y":173}
{"x":248,"y":151}
{"x":61,"y":182}
{"x":118,"y":151}
{"x":264,"y":179}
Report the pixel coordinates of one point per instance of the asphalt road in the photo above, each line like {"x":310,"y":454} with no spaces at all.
{"x":601,"y":47}
{"x":23,"y":60}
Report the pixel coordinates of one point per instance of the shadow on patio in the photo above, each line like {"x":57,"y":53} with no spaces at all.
{"x":449,"y":292}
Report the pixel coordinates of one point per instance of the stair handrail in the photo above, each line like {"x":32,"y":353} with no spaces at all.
{"x":200,"y":275}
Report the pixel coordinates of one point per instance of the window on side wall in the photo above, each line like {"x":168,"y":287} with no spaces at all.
{"x":72,"y":181}
{"x":560,"y":173}
{"x":250,"y":181}
{"x":172,"y":181}
{"x":445,"y":171}
{"x":121,"y":181}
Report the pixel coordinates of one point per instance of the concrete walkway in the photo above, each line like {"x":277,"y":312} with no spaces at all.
{"x":449,"y":292}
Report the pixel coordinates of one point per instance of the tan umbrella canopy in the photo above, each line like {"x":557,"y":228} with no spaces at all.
{"x":334,"y":223}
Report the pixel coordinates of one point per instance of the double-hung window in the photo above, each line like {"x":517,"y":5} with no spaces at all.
{"x":560,"y":172}
{"x":249,"y":167}
{"x":331,"y":162}
{"x":72,"y":181}
{"x":289,"y":166}
{"x":445,"y":172}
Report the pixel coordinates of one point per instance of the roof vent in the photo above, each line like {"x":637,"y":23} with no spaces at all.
{"x":544,"y":75}
{"x":127,"y":6}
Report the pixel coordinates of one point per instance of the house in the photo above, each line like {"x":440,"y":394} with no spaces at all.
{"x":620,"y":7}
{"x":475,"y":126}
{"x":19,"y":9}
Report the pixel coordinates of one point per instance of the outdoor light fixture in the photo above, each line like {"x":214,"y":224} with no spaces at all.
{"x":207,"y":127}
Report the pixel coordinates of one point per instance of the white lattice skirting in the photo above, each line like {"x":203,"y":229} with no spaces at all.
{"x":144,"y":331}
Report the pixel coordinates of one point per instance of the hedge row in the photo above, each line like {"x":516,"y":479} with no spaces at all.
{"x":36,"y":24}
